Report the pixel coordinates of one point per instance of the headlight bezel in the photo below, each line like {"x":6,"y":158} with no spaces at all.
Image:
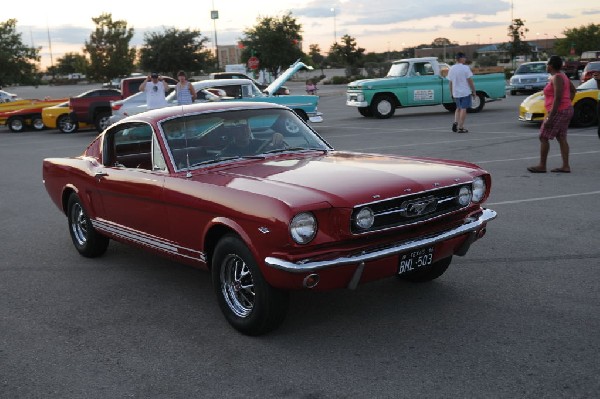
{"x":366,"y":220}
{"x":478,"y":189}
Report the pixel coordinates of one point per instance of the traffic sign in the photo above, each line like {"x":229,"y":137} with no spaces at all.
{"x":253,"y":62}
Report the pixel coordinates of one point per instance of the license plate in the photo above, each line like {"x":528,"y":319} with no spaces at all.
{"x":528,"y":87}
{"x":528,"y":116}
{"x":415,"y":259}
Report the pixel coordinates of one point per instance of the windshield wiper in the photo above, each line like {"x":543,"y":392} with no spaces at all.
{"x":299,"y":149}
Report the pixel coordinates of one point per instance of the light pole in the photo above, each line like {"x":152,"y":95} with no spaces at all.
{"x":214,"y":15}
{"x":334,"y":27}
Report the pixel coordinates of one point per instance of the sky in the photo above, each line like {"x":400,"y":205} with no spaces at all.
{"x":377,"y":26}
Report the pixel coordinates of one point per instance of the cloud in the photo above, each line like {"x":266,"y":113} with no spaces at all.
{"x":558,"y":16}
{"x":590,"y":12}
{"x":472,"y":24}
{"x":392,"y":11}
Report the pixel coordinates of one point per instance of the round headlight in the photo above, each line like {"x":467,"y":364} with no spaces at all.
{"x":364,"y":218}
{"x":303,"y":227}
{"x":478,"y":189}
{"x":464,"y":196}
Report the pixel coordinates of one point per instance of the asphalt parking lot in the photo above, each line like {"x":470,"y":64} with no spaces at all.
{"x":518,"y":316}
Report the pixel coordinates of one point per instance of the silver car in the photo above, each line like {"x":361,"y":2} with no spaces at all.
{"x":529,"y":77}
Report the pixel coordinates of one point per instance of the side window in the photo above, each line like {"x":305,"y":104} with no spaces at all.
{"x":234,"y":91}
{"x":132,"y":146}
{"x":428,"y":69}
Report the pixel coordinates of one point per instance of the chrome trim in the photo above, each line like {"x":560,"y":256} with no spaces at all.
{"x":312,"y":266}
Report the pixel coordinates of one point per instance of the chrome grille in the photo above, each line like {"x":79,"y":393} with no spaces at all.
{"x":410,"y":209}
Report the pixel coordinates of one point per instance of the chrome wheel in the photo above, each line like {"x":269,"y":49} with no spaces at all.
{"x":79,"y":224}
{"x":237,"y":285}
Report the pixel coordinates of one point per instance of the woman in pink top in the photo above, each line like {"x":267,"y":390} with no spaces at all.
{"x":558,"y":94}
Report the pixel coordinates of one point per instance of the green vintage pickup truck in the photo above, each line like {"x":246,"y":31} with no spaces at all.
{"x":416,"y":82}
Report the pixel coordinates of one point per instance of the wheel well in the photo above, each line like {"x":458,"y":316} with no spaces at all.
{"x":212,"y":238}
{"x":388,"y":94}
{"x":65,"y":198}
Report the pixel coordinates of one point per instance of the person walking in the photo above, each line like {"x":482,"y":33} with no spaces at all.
{"x":462,"y":89}
{"x":558,"y":95}
{"x":155,"y":88}
{"x":185,"y":90}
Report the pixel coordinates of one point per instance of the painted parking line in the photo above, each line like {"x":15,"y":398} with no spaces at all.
{"x":542,"y":198}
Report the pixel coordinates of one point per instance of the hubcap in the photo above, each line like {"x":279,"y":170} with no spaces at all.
{"x":384,"y":107}
{"x":237,"y":285}
{"x":79,"y":224}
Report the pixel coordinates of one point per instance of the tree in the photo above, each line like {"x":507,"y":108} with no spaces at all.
{"x":17,"y":61}
{"x":72,"y":63}
{"x":517,"y":45}
{"x":442,"y":42}
{"x":274,"y":41}
{"x":584,"y":38}
{"x":175,"y":50}
{"x":347,"y":53}
{"x":108,"y":49}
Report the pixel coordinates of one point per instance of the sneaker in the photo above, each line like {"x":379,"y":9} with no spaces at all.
{"x":455,"y":127}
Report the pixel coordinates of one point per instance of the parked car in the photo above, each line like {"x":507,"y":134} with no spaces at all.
{"x":250,"y":192}
{"x":137,"y":103}
{"x":28,"y":115}
{"x":283,"y":90}
{"x":529,"y":78}
{"x":589,"y":70}
{"x":6,"y":97}
{"x":57,"y":117}
{"x":245,"y":90}
{"x":584,"y":103}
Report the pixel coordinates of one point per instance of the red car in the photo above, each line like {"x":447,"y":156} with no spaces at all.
{"x":250,"y":192}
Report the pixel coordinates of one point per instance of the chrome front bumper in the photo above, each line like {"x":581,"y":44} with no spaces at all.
{"x":469,"y":226}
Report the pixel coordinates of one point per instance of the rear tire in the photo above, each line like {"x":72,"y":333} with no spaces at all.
{"x":584,"y":114}
{"x":16,"y":124}
{"x":249,"y":303}
{"x":86,"y":239}
{"x":428,"y":273}
{"x":478,"y":104}
{"x":37,"y":123}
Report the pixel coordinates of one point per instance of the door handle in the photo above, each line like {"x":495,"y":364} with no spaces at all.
{"x":100,"y":174}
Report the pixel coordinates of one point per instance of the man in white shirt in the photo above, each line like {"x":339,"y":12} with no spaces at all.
{"x":155,"y":88}
{"x":462,"y":90}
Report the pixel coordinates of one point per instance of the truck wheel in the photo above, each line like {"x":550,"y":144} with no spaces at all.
{"x":513,"y":92}
{"x":383,"y":107}
{"x":365,"y":111}
{"x":450,"y":106}
{"x":584,"y":114}
{"x":248,"y":302}
{"x":101,"y":121}
{"x":478,"y":103}
{"x":66,"y":125}
{"x":428,"y":273}
{"x":16,"y":124}
{"x":37,"y":122}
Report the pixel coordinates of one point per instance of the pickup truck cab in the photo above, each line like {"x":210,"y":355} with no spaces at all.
{"x":416,"y":82}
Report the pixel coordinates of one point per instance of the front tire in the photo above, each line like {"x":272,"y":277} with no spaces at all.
{"x":86,"y":239}
{"x":101,"y":121}
{"x":66,"y":125}
{"x":248,"y":302}
{"x":365,"y":111}
{"x":383,"y":107}
{"x":428,"y":273}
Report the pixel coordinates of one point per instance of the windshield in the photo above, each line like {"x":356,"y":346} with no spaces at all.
{"x":398,"y":69}
{"x":201,"y":139}
{"x":531,"y":68}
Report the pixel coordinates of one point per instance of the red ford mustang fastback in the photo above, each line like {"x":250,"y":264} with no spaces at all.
{"x":252,"y":193}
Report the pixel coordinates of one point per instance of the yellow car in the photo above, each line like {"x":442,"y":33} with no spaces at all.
{"x":57,"y":117}
{"x":585,"y":102}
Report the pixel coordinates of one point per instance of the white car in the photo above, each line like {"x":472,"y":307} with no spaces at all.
{"x":137,"y":103}
{"x":6,"y":97}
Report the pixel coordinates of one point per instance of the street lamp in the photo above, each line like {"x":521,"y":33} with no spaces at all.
{"x":334,"y":28}
{"x":214,"y":15}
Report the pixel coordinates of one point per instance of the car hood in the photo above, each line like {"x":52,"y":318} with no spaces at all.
{"x":285,"y":76}
{"x":388,"y":81}
{"x":343,"y":179}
